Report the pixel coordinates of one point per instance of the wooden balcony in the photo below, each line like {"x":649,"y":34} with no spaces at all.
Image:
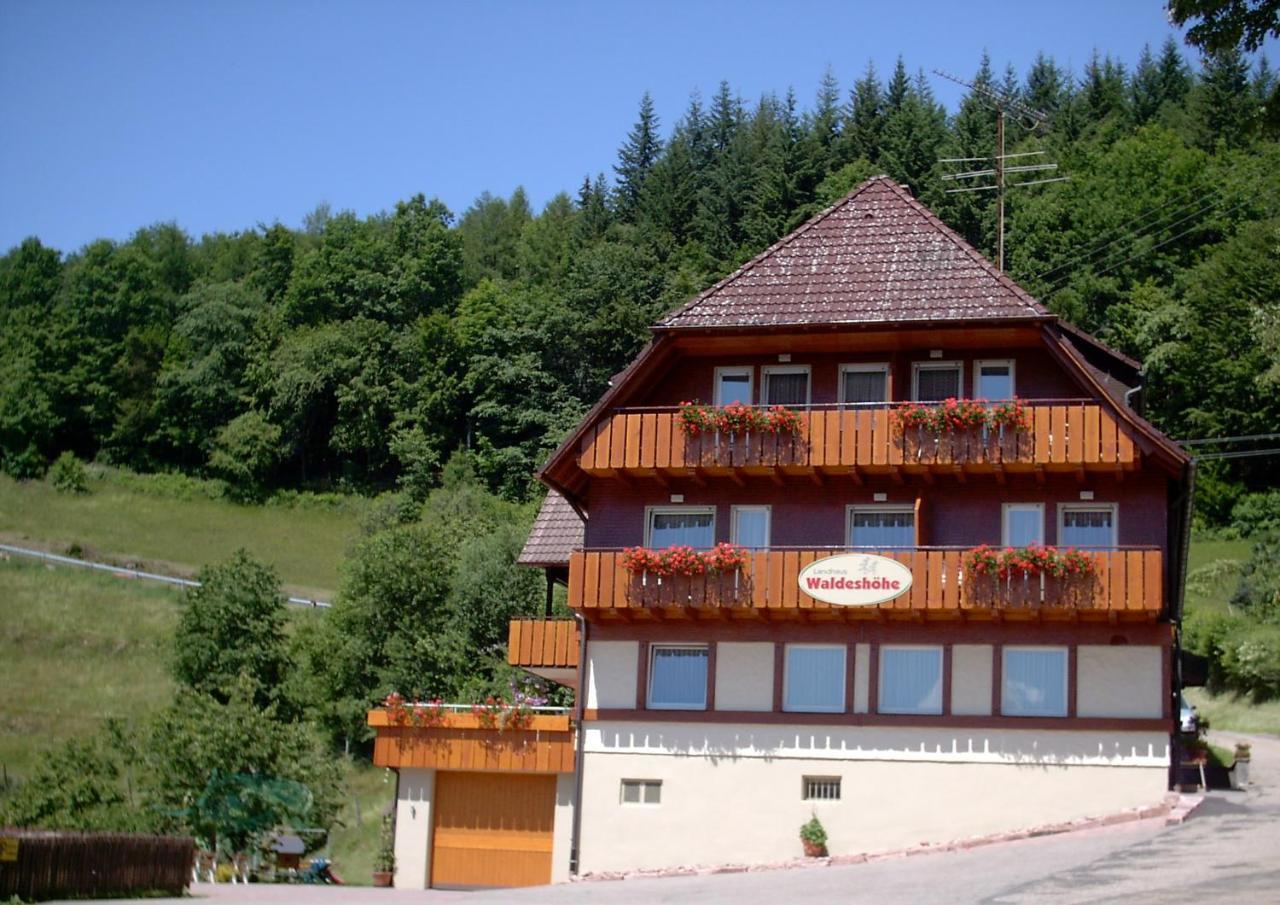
{"x":1128,"y":584}
{"x":545,"y":647}
{"x":459,"y":741}
{"x":1068,"y":436}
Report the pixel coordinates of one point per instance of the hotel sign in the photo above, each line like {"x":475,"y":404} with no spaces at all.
{"x":855,"y":579}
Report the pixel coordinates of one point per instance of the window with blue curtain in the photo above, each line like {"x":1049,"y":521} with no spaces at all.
{"x":1035,"y":682}
{"x":910,"y":680}
{"x":685,"y":527}
{"x":678,"y":678}
{"x":815,"y":680}
{"x":882,"y":528}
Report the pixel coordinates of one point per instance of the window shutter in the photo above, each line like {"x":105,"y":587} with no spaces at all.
{"x":919,"y":523}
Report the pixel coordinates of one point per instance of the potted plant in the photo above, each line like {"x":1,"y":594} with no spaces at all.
{"x":384,"y":865}
{"x":814,"y":838}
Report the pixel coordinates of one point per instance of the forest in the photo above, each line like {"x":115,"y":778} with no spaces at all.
{"x":358,"y":354}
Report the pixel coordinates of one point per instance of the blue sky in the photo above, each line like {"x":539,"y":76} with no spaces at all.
{"x":223,"y":115}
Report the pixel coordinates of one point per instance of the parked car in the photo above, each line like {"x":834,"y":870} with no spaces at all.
{"x":1188,"y":719}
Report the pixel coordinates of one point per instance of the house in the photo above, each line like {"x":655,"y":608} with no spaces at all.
{"x":815,"y":578}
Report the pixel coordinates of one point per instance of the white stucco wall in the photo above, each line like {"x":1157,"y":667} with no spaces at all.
{"x":413,"y":827}
{"x":562,"y":832}
{"x":744,"y":675}
{"x":900,"y":787}
{"x":1120,"y":681}
{"x":611,"y":673}
{"x":971,"y":679}
{"x":861,"y":678}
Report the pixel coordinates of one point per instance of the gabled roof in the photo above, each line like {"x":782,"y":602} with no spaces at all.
{"x":876,"y":256}
{"x":556,"y":532}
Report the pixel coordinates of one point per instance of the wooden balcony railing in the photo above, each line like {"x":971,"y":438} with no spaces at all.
{"x":1062,"y":436}
{"x":459,"y":741}
{"x":1126,"y":581}
{"x":543,"y":643}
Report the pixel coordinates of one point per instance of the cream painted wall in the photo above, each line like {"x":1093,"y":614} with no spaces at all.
{"x":865,"y":743}
{"x":611,"y":673}
{"x":562,"y":831}
{"x":414,"y":795}
{"x":971,"y":679}
{"x":749,"y":809}
{"x":744,"y":675}
{"x":1120,"y":681}
{"x":861,"y":677}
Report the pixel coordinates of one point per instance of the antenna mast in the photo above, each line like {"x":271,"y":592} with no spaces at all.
{"x":998,"y":168}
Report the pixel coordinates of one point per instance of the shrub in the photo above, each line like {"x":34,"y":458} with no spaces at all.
{"x":1255,"y":514}
{"x":1259,"y":589}
{"x":1244,"y":654}
{"x":814,"y":832}
{"x":67,"y":474}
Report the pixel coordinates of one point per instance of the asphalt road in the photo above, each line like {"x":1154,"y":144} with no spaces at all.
{"x":1228,"y":851}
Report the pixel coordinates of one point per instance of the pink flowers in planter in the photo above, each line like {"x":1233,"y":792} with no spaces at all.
{"x":953,"y":414}
{"x":1031,"y":560}
{"x":736,"y":418}
{"x":683,"y":560}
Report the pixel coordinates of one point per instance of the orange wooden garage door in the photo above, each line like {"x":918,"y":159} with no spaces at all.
{"x":492,"y":829}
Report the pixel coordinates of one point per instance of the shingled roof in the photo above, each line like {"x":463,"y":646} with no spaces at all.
{"x":876,"y":256}
{"x":556,"y":532}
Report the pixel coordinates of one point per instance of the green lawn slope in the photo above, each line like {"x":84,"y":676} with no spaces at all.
{"x":167,"y":524}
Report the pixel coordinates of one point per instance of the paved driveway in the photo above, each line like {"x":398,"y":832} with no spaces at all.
{"x":1229,"y":851}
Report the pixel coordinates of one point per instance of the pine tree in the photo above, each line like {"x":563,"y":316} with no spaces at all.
{"x":912,"y":136}
{"x":1225,"y":106}
{"x":1046,"y":86}
{"x":1175,"y":76}
{"x":1145,"y":88}
{"x":973,"y":134}
{"x":636,"y":159}
{"x":820,"y":131}
{"x":1104,"y":90}
{"x":899,"y":88}
{"x":774,"y":136}
{"x":864,"y":121}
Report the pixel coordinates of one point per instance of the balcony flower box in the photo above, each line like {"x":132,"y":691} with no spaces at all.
{"x":682,"y":576}
{"x":1031,"y":576}
{"x":963,"y":430}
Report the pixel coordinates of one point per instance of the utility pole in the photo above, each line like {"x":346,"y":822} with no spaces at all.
{"x":998,"y":168}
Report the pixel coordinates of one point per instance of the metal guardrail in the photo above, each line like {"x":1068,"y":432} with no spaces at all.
{"x":135,"y":573}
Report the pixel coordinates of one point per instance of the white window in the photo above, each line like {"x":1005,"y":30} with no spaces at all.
{"x":815,"y":678}
{"x":882,"y":527}
{"x":864,"y":383}
{"x":785,"y":385}
{"x":641,"y":791}
{"x":1092,"y":525}
{"x":821,"y":788}
{"x":692,"y":526}
{"x":1022,"y":524}
{"x":678,"y":677}
{"x":1034,"y":681}
{"x":910,"y":679}
{"x":750,"y":526}
{"x":733,"y":385}
{"x":993,"y":380}
{"x":933,"y":381}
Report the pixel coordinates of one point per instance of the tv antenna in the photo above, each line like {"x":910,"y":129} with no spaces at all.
{"x":996,"y":167}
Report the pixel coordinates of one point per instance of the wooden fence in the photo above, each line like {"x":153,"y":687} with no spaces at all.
{"x":62,"y":865}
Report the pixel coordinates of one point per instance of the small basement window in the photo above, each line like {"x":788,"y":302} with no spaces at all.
{"x":641,"y":791}
{"x":822,"y":788}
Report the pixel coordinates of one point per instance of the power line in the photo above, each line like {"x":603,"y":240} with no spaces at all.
{"x":1125,"y":231}
{"x":1066,"y":278}
{"x":1243,"y":438}
{"x":1247,"y":454}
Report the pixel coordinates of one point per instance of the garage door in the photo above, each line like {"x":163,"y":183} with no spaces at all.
{"x":492,"y":829}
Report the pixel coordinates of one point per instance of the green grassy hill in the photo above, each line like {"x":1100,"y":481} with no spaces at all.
{"x":166,"y":523}
{"x":79,"y":647}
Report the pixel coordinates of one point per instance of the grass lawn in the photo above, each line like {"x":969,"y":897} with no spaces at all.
{"x":1234,"y":713}
{"x":77,"y":647}
{"x":1214,"y":590}
{"x":119,"y":522}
